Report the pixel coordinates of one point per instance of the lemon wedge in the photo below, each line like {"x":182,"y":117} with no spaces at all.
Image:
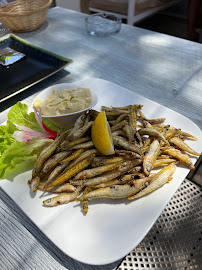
{"x":101,"y":135}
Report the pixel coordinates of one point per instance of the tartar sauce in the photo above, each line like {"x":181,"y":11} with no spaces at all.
{"x":66,"y":101}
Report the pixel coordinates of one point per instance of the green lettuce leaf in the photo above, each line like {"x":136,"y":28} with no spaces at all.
{"x":18,"y":114}
{"x":19,"y":155}
{"x":2,"y":167}
{"x":6,"y":132}
{"x":9,"y":171}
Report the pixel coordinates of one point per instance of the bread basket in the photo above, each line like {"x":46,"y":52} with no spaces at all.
{"x":24,"y":15}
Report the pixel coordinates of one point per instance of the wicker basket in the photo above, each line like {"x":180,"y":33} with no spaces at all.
{"x":24,"y":15}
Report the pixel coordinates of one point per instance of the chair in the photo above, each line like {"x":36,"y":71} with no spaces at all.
{"x":131,"y":10}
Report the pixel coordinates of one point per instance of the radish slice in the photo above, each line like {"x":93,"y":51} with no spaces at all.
{"x":27,"y":135}
{"x":39,"y":119}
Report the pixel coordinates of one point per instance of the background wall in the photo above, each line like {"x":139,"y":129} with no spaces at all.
{"x":70,"y":4}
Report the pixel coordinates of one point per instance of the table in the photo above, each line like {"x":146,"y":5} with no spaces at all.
{"x":162,"y":68}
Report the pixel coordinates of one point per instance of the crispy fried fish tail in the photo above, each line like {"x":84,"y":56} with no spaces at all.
{"x":62,"y":198}
{"x":117,"y":191}
{"x":97,"y":171}
{"x":67,"y":187}
{"x":105,"y":177}
{"x":184,"y":158}
{"x":177,"y":142}
{"x":69,"y":173}
{"x":34,"y":183}
{"x":46,"y":153}
{"x":150,"y":157}
{"x":157,"y":181}
{"x":121,"y":142}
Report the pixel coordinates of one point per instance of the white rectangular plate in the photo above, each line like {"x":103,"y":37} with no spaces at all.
{"x":111,"y":229}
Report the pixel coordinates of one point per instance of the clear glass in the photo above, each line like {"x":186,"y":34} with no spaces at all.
{"x":102,"y":25}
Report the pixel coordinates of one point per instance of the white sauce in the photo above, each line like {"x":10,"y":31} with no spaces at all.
{"x":66,"y":101}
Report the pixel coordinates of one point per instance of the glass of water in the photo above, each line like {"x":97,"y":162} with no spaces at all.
{"x":103,"y":25}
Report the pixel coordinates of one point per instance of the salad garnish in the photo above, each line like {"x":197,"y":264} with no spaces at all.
{"x":22,"y":139}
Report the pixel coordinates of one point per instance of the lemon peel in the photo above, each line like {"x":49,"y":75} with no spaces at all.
{"x":101,"y":135}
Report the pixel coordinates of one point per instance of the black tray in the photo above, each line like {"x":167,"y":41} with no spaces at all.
{"x":37,"y":65}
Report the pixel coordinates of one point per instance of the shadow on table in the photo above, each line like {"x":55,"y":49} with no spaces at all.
{"x":35,"y":32}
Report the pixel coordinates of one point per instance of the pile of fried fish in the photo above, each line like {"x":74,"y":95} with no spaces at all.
{"x":146,"y":153}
